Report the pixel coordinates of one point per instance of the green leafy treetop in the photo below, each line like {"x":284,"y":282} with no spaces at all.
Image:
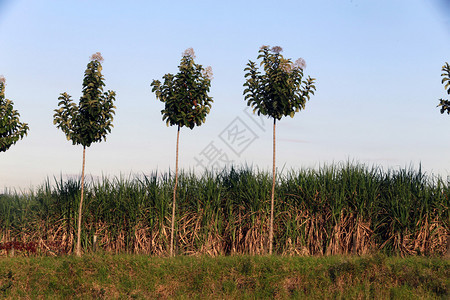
{"x":185,"y":94}
{"x":445,"y":104}
{"x":280,"y":90}
{"x":11,"y":130}
{"x":91,"y":120}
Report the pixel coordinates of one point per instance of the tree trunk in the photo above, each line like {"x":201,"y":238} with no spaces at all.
{"x":448,"y":247}
{"x":174,"y":196}
{"x":78,"y":250}
{"x":273,"y":194}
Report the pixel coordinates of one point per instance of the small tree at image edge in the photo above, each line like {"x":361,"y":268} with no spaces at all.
{"x":445,"y":104}
{"x":11,"y":129}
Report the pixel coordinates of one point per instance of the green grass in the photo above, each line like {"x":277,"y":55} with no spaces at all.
{"x":338,"y":209}
{"x":224,"y":277}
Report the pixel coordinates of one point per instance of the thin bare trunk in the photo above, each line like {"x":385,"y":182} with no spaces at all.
{"x":273,"y":193}
{"x":448,"y":247}
{"x":174,"y":196}
{"x":78,"y":250}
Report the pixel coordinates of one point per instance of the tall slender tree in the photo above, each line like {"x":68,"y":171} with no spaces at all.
{"x":445,"y":104}
{"x":187,"y":103}
{"x":445,"y":107}
{"x":276,"y":92}
{"x":11,"y":129}
{"x":89,"y":121}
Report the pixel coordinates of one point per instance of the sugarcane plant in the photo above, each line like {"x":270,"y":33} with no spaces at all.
{"x":278,"y":91}
{"x":89,"y":121}
{"x":186,"y":103}
{"x":11,"y":129}
{"x":445,"y":104}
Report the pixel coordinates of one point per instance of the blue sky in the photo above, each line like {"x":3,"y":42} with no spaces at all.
{"x":377,"y":65}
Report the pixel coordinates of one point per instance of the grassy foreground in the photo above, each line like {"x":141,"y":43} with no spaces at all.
{"x":224,"y":277}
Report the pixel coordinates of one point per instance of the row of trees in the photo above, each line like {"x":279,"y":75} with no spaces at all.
{"x":276,"y":88}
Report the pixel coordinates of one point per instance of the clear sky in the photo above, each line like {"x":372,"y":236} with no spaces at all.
{"x":377,"y":65}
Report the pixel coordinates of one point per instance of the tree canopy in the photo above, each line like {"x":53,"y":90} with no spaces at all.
{"x":445,"y":104}
{"x":91,"y":120}
{"x":280,"y":89}
{"x":11,"y":129}
{"x":185,"y":94}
